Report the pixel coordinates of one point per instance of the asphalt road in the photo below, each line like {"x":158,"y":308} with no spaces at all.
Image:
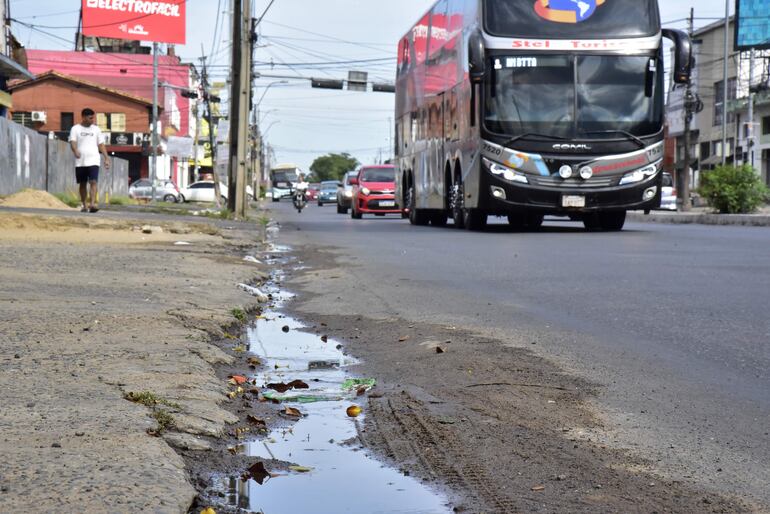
{"x":671,"y":321}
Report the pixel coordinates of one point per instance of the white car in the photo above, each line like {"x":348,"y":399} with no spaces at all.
{"x":164,"y":190}
{"x":203,"y":191}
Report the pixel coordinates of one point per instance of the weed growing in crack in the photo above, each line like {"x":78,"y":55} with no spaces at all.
{"x":239,"y":314}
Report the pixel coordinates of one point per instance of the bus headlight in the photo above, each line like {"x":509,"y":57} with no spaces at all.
{"x":507,"y":173}
{"x":640,"y":175}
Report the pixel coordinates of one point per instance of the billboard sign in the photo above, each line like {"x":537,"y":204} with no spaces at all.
{"x":162,"y":21}
{"x":753,"y":26}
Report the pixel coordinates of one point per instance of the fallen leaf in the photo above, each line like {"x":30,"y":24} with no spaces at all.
{"x":256,"y":421}
{"x":361,"y":391}
{"x":440,"y":350}
{"x":254,"y":361}
{"x":258,"y":473}
{"x":403,"y":338}
{"x":232,"y":395}
{"x":239,"y":349}
{"x":325,"y":339}
{"x":291,"y":411}
{"x":208,"y":510}
{"x":354,"y":411}
{"x":300,"y":469}
{"x":538,"y":488}
{"x":232,"y":449}
{"x":238,"y":379}
{"x":282,"y":388}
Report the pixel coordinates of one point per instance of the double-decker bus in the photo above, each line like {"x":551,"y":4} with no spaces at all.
{"x":527,"y":108}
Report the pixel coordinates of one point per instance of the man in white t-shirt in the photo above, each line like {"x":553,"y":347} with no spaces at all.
{"x":87,"y":142}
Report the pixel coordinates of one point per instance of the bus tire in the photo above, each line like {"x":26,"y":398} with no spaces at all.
{"x":475,"y":219}
{"x":612,"y":221}
{"x":439,"y":218}
{"x":416,"y":216}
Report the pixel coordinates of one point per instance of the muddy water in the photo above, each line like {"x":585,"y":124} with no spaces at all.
{"x":343,"y":477}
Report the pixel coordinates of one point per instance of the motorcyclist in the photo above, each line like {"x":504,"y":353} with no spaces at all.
{"x":300,"y":191}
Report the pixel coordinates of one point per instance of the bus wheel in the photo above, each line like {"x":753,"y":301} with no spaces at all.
{"x":457,"y":203}
{"x":439,"y":218}
{"x":612,"y":221}
{"x":475,"y":219}
{"x":416,"y":216}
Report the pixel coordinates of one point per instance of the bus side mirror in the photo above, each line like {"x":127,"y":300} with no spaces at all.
{"x":682,"y":55}
{"x":476,"y":59}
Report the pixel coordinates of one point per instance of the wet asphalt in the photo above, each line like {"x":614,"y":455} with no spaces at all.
{"x":671,"y":321}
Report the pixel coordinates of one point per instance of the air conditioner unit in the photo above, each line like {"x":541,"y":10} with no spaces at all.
{"x":39,"y":116}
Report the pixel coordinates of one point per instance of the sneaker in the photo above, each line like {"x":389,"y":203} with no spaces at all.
{"x":93,"y":209}
{"x":84,"y":209}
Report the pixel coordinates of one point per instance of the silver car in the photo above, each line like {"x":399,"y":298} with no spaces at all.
{"x":165,"y":190}
{"x":345,"y":192}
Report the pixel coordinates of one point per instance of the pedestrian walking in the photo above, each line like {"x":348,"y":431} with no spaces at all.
{"x":87,"y":142}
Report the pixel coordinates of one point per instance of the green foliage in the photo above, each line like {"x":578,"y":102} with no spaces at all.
{"x":164,"y":419}
{"x":239,"y":314}
{"x":70,"y":198}
{"x":122,"y":200}
{"x":733,"y":190}
{"x":150,"y":399}
{"x":333,"y":166}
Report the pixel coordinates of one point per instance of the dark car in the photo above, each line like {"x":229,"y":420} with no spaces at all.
{"x":328,"y":192}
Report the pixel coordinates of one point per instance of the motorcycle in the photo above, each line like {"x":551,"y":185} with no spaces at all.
{"x":299,"y":196}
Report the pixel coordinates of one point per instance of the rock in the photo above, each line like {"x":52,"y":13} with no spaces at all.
{"x":152,"y":229}
{"x":187,"y":442}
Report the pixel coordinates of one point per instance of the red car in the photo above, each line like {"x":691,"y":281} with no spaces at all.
{"x":374,"y":192}
{"x":312,"y":192}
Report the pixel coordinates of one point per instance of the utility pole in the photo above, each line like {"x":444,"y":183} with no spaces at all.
{"x":239,"y":106}
{"x":724,"y":84}
{"x":683,"y":201}
{"x":154,"y":137}
{"x":212,"y":136}
{"x":751,"y":141}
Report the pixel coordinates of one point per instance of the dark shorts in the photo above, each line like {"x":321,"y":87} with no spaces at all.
{"x":85,"y":174}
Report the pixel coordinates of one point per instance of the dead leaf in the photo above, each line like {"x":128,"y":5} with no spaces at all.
{"x":538,"y":488}
{"x":232,"y":449}
{"x":239,"y":349}
{"x":291,"y":411}
{"x":403,"y":338}
{"x":208,"y":510}
{"x":282,"y":388}
{"x":238,"y":379}
{"x":440,"y":350}
{"x":254,"y":361}
{"x":354,"y":411}
{"x":325,"y":339}
{"x":256,"y":421}
{"x":258,"y":473}
{"x":300,"y":469}
{"x":361,"y":391}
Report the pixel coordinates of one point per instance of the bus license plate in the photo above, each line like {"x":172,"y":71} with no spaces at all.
{"x":387,"y":203}
{"x":573,"y":201}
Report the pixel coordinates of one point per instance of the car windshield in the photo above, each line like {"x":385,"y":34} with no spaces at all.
{"x":329,"y":187}
{"x":378,"y":175}
{"x":575,"y":96}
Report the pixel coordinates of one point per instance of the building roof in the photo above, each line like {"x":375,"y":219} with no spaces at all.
{"x":54,"y":75}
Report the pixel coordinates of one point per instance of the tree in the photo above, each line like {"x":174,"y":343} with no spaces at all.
{"x":333,"y":166}
{"x":733,"y":189}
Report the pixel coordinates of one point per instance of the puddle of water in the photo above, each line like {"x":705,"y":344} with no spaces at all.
{"x":344,"y":479}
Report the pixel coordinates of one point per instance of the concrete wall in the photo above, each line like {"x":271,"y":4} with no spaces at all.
{"x":30,"y":160}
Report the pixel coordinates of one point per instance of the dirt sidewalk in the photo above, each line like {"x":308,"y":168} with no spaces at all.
{"x":90,"y":311}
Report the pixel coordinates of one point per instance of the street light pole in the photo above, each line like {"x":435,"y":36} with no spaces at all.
{"x":724,"y":83}
{"x":154,"y":136}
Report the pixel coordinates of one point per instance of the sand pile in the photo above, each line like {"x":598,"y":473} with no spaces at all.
{"x":34,"y":199}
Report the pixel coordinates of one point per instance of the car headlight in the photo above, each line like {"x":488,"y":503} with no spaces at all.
{"x":640,"y":175}
{"x":365,"y":191}
{"x":349,"y":194}
{"x":507,"y":173}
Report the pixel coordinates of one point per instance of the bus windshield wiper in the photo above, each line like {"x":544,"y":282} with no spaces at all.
{"x":533,"y":134}
{"x":629,"y":135}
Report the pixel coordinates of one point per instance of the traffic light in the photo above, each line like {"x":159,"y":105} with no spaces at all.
{"x":327,"y":83}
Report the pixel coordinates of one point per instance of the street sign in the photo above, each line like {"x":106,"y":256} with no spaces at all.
{"x":156,"y":21}
{"x":753,"y":27}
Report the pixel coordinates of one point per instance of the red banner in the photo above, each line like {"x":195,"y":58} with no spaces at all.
{"x":161,"y":21}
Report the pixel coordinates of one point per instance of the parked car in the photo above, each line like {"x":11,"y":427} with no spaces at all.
{"x":328,"y":192}
{"x":203,"y":191}
{"x":375,"y":192}
{"x":345,"y":192}
{"x":165,"y":190}
{"x":668,"y":193}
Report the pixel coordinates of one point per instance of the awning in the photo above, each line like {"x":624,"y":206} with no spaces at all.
{"x":12,"y":70}
{"x":713,"y":160}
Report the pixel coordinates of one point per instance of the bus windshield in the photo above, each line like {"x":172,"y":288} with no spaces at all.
{"x":284,"y":176}
{"x":575,"y":97}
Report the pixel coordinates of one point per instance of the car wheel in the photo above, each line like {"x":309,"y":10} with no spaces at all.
{"x":341,"y":209}
{"x":182,"y":199}
{"x":612,"y":221}
{"x":320,"y":204}
{"x":354,"y":214}
{"x":169,"y":198}
{"x":223,"y":199}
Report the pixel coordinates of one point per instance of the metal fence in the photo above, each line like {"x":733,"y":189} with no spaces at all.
{"x":31,"y":160}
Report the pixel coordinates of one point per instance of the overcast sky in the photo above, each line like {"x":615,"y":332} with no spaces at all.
{"x":303,"y":123}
